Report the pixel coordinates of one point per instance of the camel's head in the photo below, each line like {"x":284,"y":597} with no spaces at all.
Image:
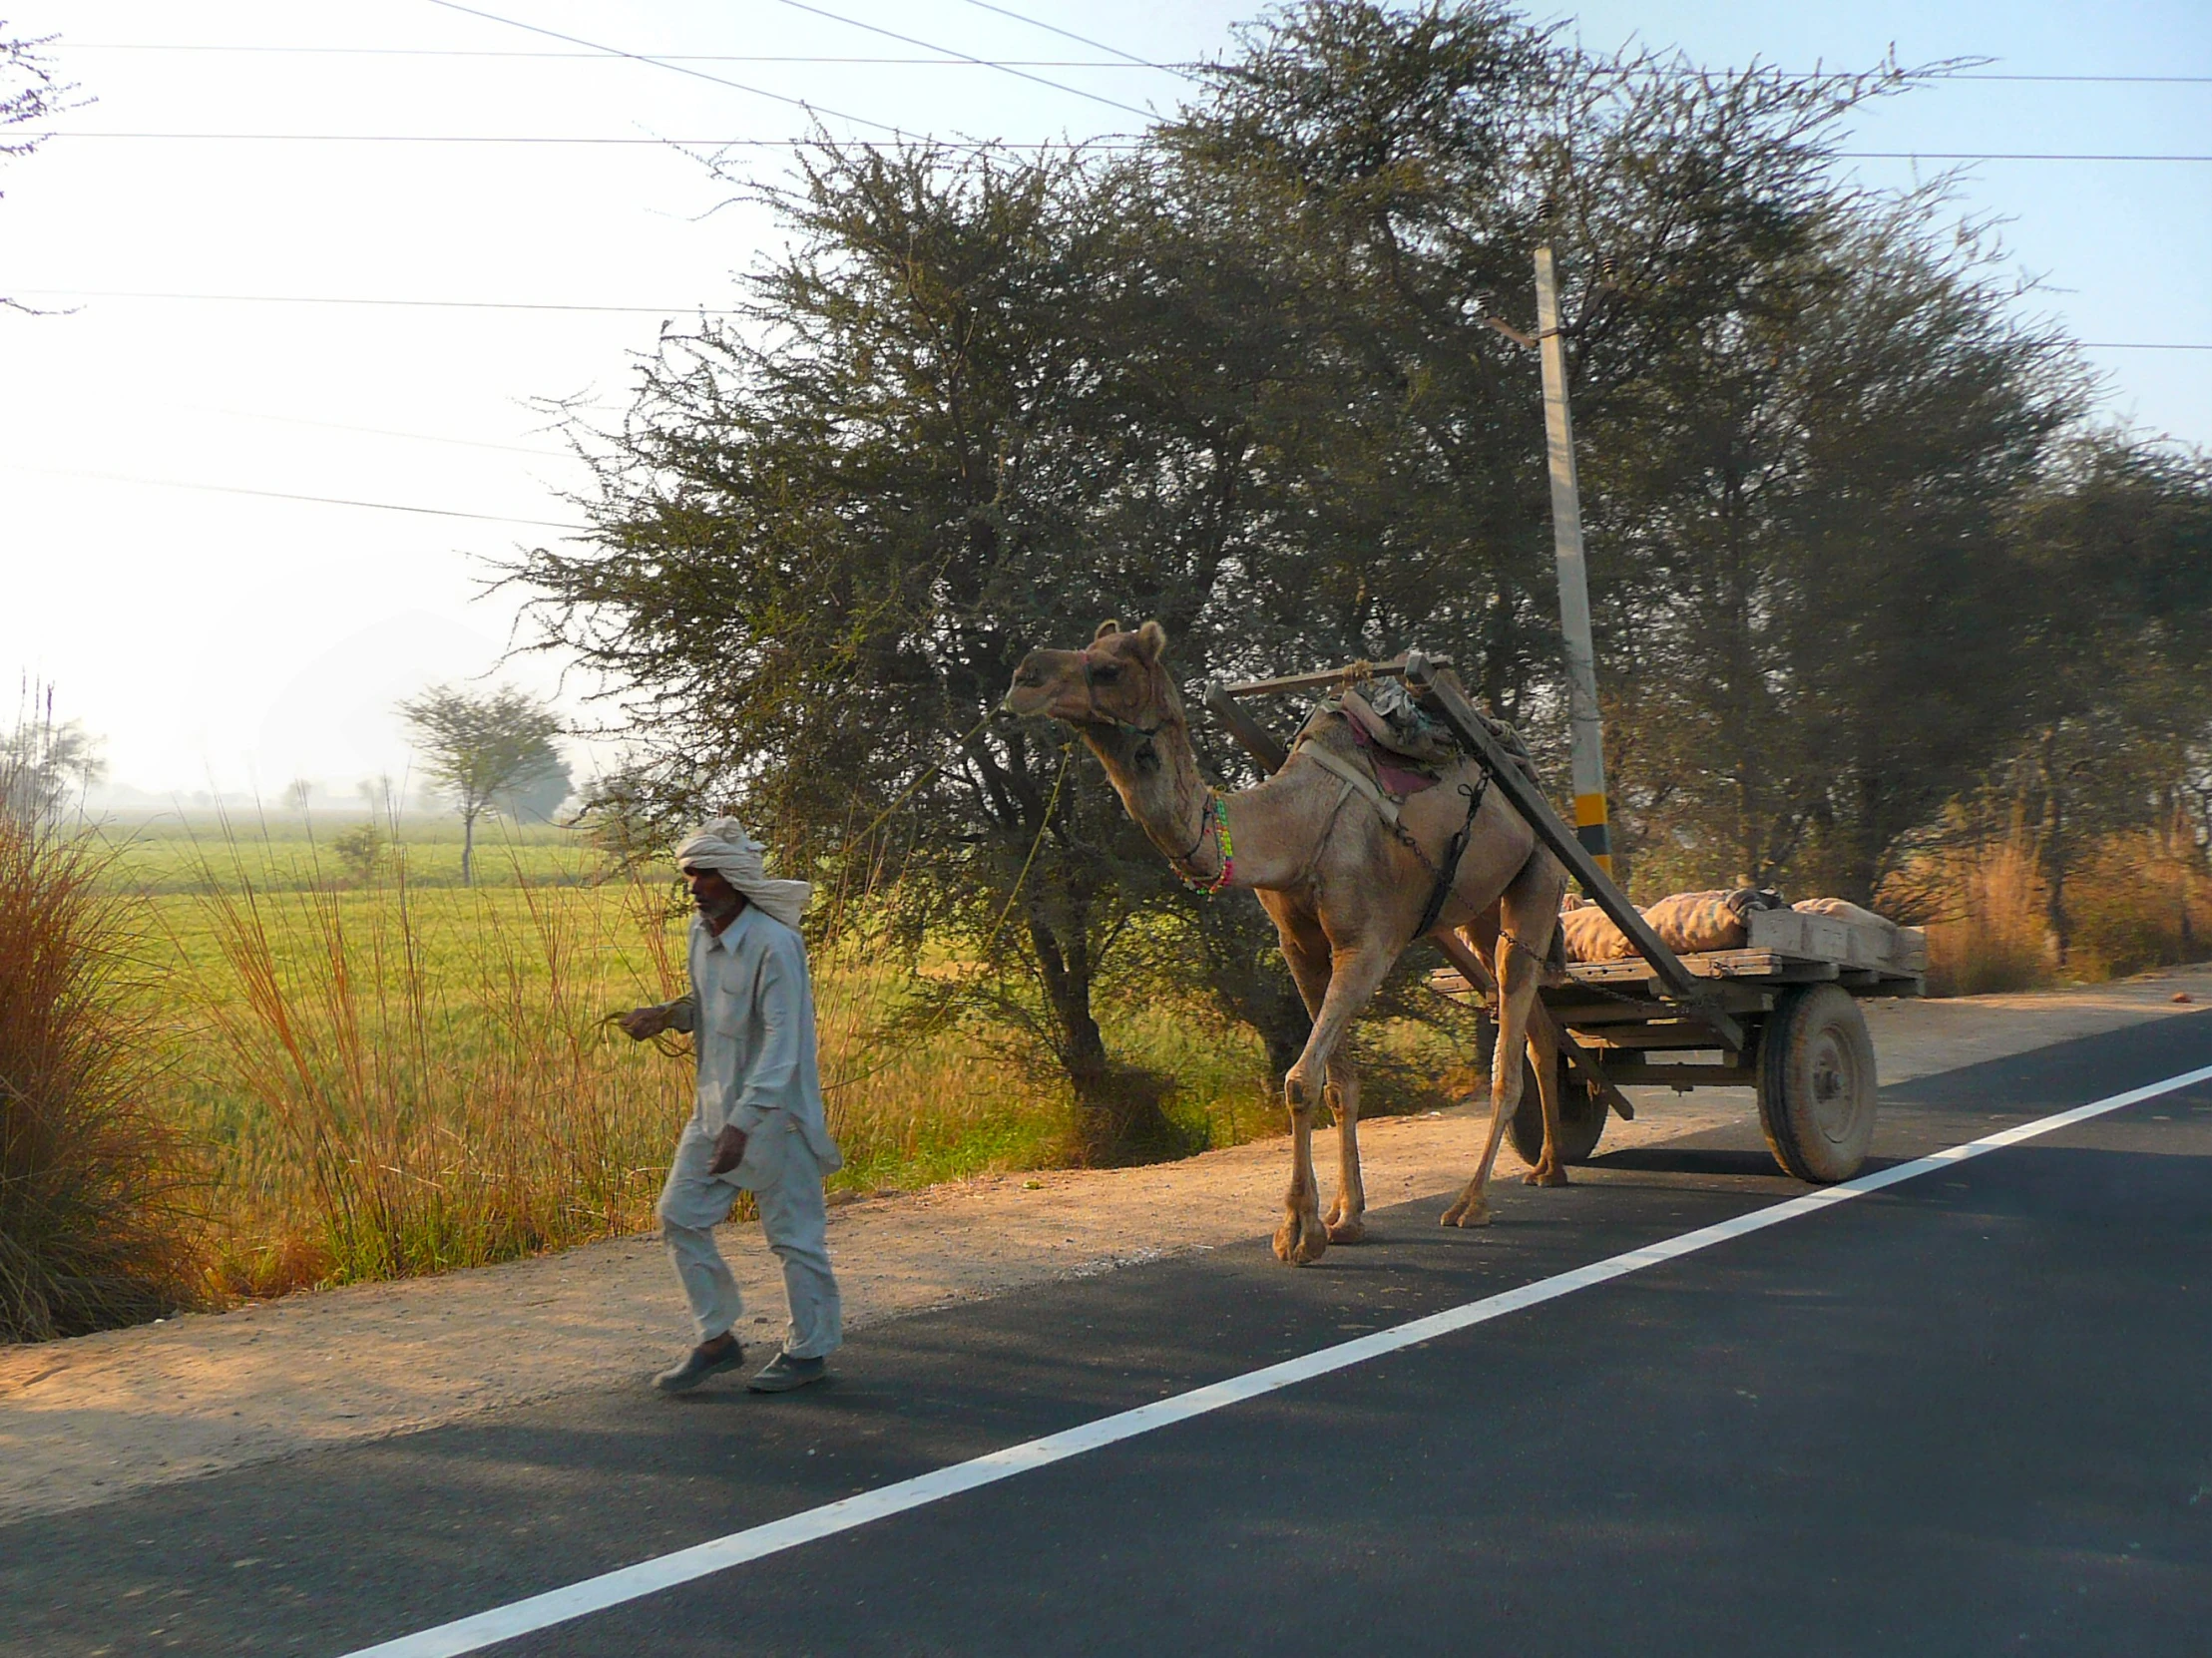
{"x":1115,"y":683}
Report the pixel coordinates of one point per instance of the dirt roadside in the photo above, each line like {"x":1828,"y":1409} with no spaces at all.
{"x":87,"y":1420}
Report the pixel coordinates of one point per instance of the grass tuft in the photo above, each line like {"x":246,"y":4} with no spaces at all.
{"x":98,"y":1201}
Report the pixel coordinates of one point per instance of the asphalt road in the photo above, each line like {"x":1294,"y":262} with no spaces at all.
{"x":1969,"y":1414}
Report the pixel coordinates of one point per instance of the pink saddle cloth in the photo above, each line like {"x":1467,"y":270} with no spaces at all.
{"x":1396,"y":777}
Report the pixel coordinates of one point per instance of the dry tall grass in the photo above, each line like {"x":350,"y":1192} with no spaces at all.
{"x":97,"y":1210}
{"x":390,"y":1080}
{"x":426,"y":1080}
{"x":2138,"y":902}
{"x":399,"y":1082}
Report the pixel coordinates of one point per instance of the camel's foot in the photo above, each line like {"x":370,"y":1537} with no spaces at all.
{"x":1471,"y":1209}
{"x":1344,"y":1223}
{"x":1301,"y":1239}
{"x":1543,"y":1176}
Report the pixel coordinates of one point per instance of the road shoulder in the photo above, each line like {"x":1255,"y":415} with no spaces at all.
{"x":88,"y":1421}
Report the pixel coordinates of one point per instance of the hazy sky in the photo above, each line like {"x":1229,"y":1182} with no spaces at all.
{"x":213,"y":634}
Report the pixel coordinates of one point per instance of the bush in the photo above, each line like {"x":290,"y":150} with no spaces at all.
{"x":360,"y":850}
{"x":96,"y":1226}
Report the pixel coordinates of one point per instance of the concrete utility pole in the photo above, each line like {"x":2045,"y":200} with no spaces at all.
{"x":1587,"y":730}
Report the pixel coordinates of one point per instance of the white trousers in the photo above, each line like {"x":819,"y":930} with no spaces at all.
{"x":787,"y":1181}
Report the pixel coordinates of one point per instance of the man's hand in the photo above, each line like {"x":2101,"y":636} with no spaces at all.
{"x":729,"y":1151}
{"x":640,"y":1023}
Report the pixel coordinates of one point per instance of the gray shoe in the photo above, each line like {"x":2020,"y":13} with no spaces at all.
{"x":783,"y":1372}
{"x":697,"y":1367}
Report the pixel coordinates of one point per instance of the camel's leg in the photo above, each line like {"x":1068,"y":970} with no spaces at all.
{"x":1307,"y":954}
{"x":1353,"y":974}
{"x":1528,"y":912}
{"x":1544,"y":1055}
{"x":1481,"y":934}
{"x":1345,"y":1217}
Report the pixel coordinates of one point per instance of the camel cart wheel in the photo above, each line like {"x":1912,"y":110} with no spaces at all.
{"x":1816,"y":1084}
{"x":1581,"y":1117}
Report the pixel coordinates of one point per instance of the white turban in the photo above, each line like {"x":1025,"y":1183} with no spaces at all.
{"x":722,"y":844}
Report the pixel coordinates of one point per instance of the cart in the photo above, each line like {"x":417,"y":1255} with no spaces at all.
{"x":1780,"y":1015}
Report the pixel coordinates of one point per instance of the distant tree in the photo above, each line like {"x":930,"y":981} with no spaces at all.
{"x":298,"y":793}
{"x":482,"y":750}
{"x":42,"y":764}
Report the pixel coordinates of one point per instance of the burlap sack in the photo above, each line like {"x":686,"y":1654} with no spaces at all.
{"x":1694,"y":921}
{"x":1590,"y":934}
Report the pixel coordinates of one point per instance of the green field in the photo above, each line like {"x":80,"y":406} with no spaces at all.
{"x":392,"y":1075}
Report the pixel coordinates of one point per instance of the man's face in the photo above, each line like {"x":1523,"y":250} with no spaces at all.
{"x":715,"y":896}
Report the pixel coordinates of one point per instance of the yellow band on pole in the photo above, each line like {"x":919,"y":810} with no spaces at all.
{"x":1592,"y":829}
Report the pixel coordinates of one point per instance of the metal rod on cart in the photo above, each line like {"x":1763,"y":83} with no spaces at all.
{"x":1587,"y":726}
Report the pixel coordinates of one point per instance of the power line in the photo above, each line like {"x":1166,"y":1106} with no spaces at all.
{"x":1120,"y":60}
{"x":931,"y":46}
{"x":377,"y":431}
{"x":349,"y":299}
{"x":626,"y":141}
{"x":286,"y":495}
{"x":816,"y":110}
{"x":643,"y":310}
{"x":2085,"y":80}
{"x":1081,"y":40}
{"x":1106,"y":142}
{"x":1998,"y":155}
{"x":952,"y":62}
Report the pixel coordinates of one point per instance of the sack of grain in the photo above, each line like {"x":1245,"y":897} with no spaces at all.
{"x":1694,"y":920}
{"x":1590,"y":936}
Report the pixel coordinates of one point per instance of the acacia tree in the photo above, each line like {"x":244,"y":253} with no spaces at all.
{"x":980,"y":406}
{"x":1802,"y":412}
{"x":2113,"y":672}
{"x":482,"y":748}
{"x":29,"y":93}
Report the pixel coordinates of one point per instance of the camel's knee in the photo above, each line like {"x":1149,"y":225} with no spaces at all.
{"x":1504,"y":1094}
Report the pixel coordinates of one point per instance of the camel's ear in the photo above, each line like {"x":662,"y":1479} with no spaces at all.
{"x":1109,"y":625}
{"x":1151,"y":641}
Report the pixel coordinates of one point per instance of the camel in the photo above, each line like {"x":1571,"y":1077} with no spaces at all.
{"x":1346,"y":894}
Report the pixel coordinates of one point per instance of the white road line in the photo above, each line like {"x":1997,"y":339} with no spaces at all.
{"x":594,"y":1594}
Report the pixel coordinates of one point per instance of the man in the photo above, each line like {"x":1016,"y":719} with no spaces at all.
{"x":758,"y":1123}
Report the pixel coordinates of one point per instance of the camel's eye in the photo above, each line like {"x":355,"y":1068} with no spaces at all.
{"x":1106,"y":674}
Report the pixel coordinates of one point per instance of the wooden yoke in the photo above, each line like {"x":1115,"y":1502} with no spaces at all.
{"x":1443,"y":697}
{"x":1251,"y":737}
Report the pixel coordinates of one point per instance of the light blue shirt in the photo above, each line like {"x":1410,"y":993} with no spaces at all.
{"x":752,"y":1019}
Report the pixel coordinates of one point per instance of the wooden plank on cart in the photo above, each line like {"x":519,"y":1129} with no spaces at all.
{"x":1443,"y":697}
{"x":1889,"y":951}
{"x":1711,"y":964}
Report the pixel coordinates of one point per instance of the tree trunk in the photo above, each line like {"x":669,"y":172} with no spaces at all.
{"x":468,"y":849}
{"x":1117,"y":1109}
{"x":2054,"y":854}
